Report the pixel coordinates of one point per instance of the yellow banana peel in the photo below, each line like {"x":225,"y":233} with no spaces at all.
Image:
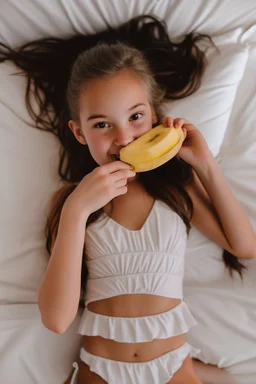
{"x":154,"y":148}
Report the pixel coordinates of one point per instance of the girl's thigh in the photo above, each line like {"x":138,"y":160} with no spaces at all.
{"x":186,"y":374}
{"x":211,"y":374}
{"x":85,"y":376}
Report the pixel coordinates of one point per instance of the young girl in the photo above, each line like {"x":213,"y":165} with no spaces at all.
{"x":127,"y":232}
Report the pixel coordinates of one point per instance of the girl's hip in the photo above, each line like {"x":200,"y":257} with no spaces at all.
{"x":99,"y":370}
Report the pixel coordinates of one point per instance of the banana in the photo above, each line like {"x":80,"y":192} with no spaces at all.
{"x":153,"y":149}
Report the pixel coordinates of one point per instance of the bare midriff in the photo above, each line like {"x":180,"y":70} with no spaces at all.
{"x":136,"y":305}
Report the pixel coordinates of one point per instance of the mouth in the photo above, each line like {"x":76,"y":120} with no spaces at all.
{"x":116,"y":157}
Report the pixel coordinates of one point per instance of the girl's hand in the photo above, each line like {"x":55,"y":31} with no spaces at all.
{"x":100,"y":186}
{"x":194,"y":149}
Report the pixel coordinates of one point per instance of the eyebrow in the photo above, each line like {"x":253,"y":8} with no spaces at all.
{"x":104,"y":116}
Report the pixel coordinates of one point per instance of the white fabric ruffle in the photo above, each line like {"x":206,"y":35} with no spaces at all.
{"x":174,"y":322}
{"x":157,"y":371}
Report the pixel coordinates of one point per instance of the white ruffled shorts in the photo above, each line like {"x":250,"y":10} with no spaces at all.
{"x":156,"y":371}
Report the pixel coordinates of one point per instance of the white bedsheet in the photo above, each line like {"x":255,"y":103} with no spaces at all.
{"x":225,"y":308}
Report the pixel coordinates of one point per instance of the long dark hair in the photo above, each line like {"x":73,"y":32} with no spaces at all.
{"x":56,"y":69}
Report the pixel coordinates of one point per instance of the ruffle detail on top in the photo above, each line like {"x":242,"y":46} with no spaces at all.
{"x":157,"y":371}
{"x":174,"y":322}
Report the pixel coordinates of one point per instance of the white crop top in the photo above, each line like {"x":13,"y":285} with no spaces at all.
{"x":150,"y":260}
{"x":146,"y":261}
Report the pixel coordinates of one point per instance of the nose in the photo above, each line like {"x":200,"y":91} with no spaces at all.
{"x":122,"y":137}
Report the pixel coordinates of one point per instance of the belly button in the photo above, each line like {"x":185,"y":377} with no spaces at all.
{"x":135,"y":355}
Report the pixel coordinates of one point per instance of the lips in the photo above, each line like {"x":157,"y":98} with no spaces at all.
{"x":116,"y":157}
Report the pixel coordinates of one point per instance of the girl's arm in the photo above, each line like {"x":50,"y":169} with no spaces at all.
{"x":59,"y":292}
{"x":217,"y":213}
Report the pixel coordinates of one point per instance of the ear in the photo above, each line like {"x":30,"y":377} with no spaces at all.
{"x":77,"y":131}
{"x":154,"y":118}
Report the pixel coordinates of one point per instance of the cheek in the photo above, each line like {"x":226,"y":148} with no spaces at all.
{"x":97,"y":142}
{"x":144,"y":127}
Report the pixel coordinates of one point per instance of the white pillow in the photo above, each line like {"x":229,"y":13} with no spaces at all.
{"x":214,"y":17}
{"x":25,"y":20}
{"x":210,"y":107}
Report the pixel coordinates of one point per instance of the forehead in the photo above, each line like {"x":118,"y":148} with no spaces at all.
{"x":122,"y":89}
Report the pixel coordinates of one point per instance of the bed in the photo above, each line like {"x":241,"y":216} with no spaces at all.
{"x":224,"y":109}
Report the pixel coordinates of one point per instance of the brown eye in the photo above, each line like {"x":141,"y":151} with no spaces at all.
{"x":101,"y":124}
{"x":136,"y":116}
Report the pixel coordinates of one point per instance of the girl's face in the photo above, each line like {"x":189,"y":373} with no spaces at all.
{"x":114,"y":111}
